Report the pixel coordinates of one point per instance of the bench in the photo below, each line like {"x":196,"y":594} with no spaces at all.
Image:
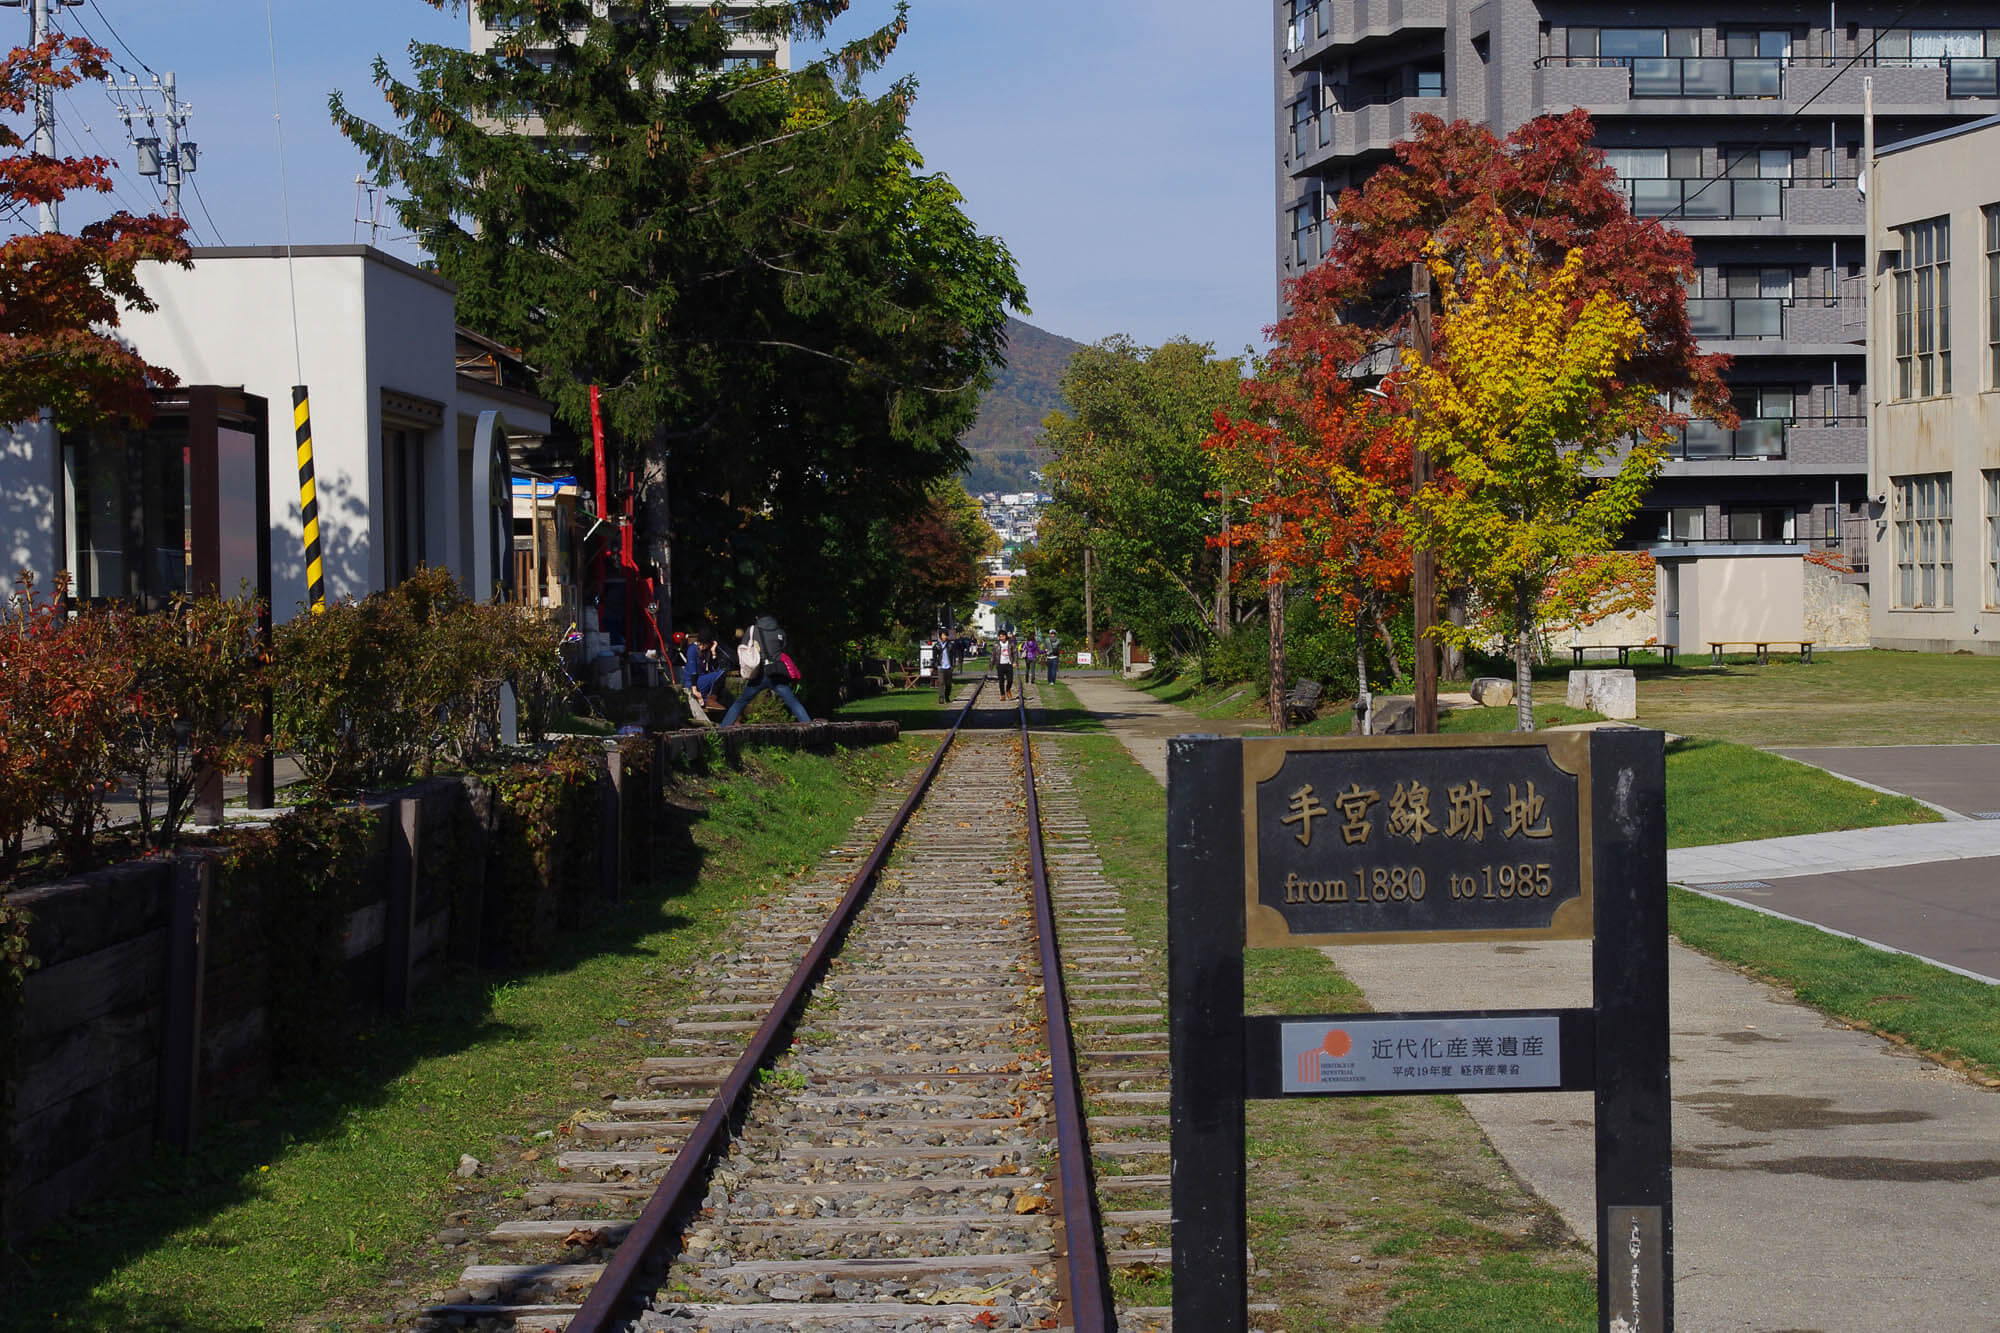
{"x":1625,"y":651}
{"x":1803,"y":647}
{"x":1302,"y":701}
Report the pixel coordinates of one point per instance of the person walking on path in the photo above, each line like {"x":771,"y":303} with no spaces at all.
{"x":1052,"y":650}
{"x":1003,"y":663}
{"x":941,"y":665}
{"x":1030,"y":650}
{"x":765,"y":665}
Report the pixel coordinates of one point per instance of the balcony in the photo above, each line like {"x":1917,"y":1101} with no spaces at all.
{"x":1802,"y":444}
{"x":1771,"y":319}
{"x":1761,"y":85}
{"x":1365,"y":123}
{"x":1699,"y":440}
{"x":1832,"y":204}
{"x":1330,"y":24}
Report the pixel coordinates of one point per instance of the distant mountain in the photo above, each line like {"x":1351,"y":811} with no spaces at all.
{"x":1002,"y":441}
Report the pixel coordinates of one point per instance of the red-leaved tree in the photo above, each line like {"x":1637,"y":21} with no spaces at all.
{"x":1336,"y":460}
{"x":60,"y":295}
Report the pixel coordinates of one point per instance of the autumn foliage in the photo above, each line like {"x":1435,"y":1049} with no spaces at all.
{"x":61,"y":295}
{"x":1323,"y":436}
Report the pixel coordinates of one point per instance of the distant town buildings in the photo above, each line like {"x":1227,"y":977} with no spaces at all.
{"x":1014,"y":515}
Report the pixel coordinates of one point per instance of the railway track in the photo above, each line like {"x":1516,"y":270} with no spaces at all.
{"x":874,"y":1116}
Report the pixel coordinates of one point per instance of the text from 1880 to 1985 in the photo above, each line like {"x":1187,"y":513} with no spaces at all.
{"x":1346,"y":841}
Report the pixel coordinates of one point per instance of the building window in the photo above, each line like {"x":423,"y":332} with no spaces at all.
{"x":1993,"y":296}
{"x":1684,"y":525}
{"x":402,"y":506}
{"x":1923,"y":540}
{"x":1759,"y":524}
{"x":1923,"y":310}
{"x":1992,"y":479}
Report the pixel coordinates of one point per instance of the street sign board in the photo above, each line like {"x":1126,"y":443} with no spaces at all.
{"x":1419,"y":840}
{"x":1398,"y":839}
{"x":1420,"y":1054}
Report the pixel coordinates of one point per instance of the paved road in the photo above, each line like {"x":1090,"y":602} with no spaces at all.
{"x":1826,"y":1181}
{"x":1962,"y":779}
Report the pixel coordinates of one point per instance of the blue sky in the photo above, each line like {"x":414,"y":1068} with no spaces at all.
{"x":1122,"y":148}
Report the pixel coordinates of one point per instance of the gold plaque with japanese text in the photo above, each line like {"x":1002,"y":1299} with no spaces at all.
{"x":1409,"y":839}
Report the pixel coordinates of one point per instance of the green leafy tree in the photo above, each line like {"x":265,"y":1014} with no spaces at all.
{"x":1547,"y":441}
{"x":791,"y":321}
{"x":1131,"y":480}
{"x":939,"y":549}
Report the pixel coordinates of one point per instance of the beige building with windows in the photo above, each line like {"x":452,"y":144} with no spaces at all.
{"x":1934,"y":349}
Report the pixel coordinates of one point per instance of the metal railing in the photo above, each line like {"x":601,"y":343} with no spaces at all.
{"x":1753,"y":439}
{"x":1761,"y":318}
{"x":1699,"y":197}
{"x":1764,"y":76}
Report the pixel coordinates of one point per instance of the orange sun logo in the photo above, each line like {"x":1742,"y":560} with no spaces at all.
{"x":1337,"y":1043}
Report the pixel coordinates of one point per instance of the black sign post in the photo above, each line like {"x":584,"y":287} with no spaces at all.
{"x":1404,"y":840}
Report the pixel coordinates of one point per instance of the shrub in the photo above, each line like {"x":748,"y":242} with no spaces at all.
{"x":369,"y":691}
{"x":66,"y":701}
{"x":199,"y":677}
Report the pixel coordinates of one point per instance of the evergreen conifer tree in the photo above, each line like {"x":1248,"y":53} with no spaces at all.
{"x":791,"y":322}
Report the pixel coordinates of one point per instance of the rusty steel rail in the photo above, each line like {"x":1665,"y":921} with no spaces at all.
{"x":1090,"y":1300}
{"x":610,"y":1295}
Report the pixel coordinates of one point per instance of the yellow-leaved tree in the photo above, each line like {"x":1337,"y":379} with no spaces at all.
{"x":1538,"y":430}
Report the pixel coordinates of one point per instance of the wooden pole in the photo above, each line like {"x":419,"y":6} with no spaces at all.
{"x":1423,"y":566}
{"x":1089,"y":618}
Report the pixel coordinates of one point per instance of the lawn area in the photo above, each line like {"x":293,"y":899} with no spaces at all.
{"x":301,"y":1210}
{"x":1719,"y":792}
{"x":1859,"y":698}
{"x":1241,"y":699}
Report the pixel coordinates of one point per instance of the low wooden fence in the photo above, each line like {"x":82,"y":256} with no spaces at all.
{"x":156,"y":1005}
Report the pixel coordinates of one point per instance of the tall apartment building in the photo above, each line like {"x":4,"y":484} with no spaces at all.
{"x":1740,"y":122}
{"x":748,"y":51}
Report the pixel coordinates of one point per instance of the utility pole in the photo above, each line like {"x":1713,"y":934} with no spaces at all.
{"x":1423,"y":565}
{"x":173,"y":161}
{"x":45,"y":114}
{"x":1089,"y":617}
{"x":45,"y":101}
{"x":1225,"y":611}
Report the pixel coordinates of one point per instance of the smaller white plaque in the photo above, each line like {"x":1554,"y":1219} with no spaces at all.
{"x":1422,"y":1054}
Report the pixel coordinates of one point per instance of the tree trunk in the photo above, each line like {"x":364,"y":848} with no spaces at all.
{"x":1524,"y":656}
{"x":656,"y":530}
{"x":1454,"y":655}
{"x":1364,"y":702}
{"x":1275,"y":608}
{"x":1389,"y":646}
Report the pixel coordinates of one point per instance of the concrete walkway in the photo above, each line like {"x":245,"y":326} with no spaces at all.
{"x":1825,"y":1180}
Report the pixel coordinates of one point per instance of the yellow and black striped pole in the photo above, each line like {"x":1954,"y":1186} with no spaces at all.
{"x":308,"y":501}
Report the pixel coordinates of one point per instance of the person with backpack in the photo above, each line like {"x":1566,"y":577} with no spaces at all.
{"x":765,"y":664}
{"x":1031,"y":649}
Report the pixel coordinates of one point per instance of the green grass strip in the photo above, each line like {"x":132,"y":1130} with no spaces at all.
{"x":320,"y":1192}
{"x":1719,"y":792}
{"x":1952,"y":1019}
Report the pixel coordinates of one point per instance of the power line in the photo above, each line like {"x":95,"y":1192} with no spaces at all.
{"x":213,"y":229}
{"x":119,"y":37}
